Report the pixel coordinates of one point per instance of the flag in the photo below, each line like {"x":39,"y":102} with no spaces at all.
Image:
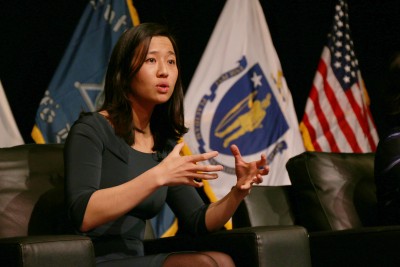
{"x":337,"y":117}
{"x":78,"y":81}
{"x":9,"y":133}
{"x":238,"y":95}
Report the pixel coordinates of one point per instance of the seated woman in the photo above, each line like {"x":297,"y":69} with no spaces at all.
{"x":387,"y":157}
{"x":124,"y":162}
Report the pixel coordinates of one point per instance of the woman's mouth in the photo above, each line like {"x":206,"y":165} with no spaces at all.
{"x":162,"y":87}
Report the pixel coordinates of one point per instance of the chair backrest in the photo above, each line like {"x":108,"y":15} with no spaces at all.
{"x":264,"y":206}
{"x":333,"y":191}
{"x":32,"y":190}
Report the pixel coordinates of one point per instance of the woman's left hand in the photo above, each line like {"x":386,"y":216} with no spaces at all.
{"x":248,"y":173}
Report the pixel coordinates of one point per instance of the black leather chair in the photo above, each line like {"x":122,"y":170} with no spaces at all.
{"x":333,"y":196}
{"x":333,"y":191}
{"x":265,"y":206}
{"x":34,"y":230}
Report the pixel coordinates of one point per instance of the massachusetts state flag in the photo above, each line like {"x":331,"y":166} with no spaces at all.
{"x":78,"y":81}
{"x":239,"y":95}
{"x":337,"y":117}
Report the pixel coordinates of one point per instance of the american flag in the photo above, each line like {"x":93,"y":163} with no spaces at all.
{"x":337,"y":117}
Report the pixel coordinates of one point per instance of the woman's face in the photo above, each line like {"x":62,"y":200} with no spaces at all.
{"x":155,"y":81}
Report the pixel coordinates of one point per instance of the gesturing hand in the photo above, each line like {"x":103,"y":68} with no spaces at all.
{"x":248,"y":173}
{"x":184,"y":170}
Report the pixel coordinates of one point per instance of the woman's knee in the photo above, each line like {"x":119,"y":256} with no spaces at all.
{"x":190,"y":259}
{"x":203,"y":259}
{"x":222,"y":259}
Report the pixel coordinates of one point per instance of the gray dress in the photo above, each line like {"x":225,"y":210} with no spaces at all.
{"x":96,"y":158}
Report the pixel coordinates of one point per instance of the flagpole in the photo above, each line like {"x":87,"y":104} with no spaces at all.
{"x":133,"y":12}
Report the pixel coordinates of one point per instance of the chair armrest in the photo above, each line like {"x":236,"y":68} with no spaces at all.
{"x":57,"y":250}
{"x":368,"y":246}
{"x":280,"y":246}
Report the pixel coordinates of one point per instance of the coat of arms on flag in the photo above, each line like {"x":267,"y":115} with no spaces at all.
{"x":239,"y":95}
{"x":245,"y":111}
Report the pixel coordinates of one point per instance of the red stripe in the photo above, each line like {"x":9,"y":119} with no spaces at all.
{"x":361,"y":115}
{"x":373,"y":143}
{"x":314,"y":96}
{"x":343,"y":124}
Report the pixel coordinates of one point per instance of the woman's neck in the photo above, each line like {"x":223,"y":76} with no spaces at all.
{"x":141,"y":121}
{"x":141,"y":115}
{"x":144,"y":140}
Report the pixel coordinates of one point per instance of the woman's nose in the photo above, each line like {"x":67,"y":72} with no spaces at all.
{"x":162,"y":70}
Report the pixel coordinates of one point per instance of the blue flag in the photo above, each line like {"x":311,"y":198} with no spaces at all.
{"x":78,"y":81}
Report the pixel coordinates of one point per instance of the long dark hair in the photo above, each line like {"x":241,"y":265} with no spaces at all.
{"x":128,"y":56}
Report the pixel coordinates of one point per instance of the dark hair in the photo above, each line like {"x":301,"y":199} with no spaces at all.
{"x":128,"y":56}
{"x":393,"y":90}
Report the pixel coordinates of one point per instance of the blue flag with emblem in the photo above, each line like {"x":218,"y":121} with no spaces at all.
{"x":78,"y":81}
{"x":238,"y":95}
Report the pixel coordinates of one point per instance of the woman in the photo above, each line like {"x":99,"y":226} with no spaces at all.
{"x":387,"y":156}
{"x":123,"y":162}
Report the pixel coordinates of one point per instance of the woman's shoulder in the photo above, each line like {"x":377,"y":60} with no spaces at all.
{"x":92,"y":123}
{"x":96,"y":128}
{"x":93,"y":119}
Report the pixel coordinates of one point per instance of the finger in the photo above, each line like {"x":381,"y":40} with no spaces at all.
{"x":192,"y":182}
{"x":204,"y":176}
{"x":235,"y":151}
{"x":196,"y":183}
{"x":203,"y":156}
{"x":262,"y":162}
{"x":264,"y":170}
{"x":246,"y":186}
{"x":177,"y":148}
{"x":208,"y":168}
{"x":258,"y":179}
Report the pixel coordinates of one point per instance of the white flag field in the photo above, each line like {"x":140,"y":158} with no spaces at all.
{"x":9,"y":133}
{"x":238,"y":95}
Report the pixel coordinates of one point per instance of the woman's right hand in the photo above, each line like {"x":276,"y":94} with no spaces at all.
{"x":176,"y":169}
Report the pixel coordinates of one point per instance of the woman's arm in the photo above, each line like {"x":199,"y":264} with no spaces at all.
{"x":218,"y":213}
{"x":105,"y":205}
{"x":88,"y":205}
{"x":109,"y":204}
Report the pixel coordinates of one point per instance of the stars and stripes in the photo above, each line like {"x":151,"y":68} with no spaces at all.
{"x":337,"y":116}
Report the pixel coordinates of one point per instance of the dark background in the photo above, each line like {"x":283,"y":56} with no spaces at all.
{"x":34,"y":35}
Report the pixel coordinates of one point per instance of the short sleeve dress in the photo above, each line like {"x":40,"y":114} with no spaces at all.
{"x":95,"y":158}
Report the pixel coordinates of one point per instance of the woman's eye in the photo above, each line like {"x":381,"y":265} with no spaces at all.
{"x":171,"y":61}
{"x":151,"y":60}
